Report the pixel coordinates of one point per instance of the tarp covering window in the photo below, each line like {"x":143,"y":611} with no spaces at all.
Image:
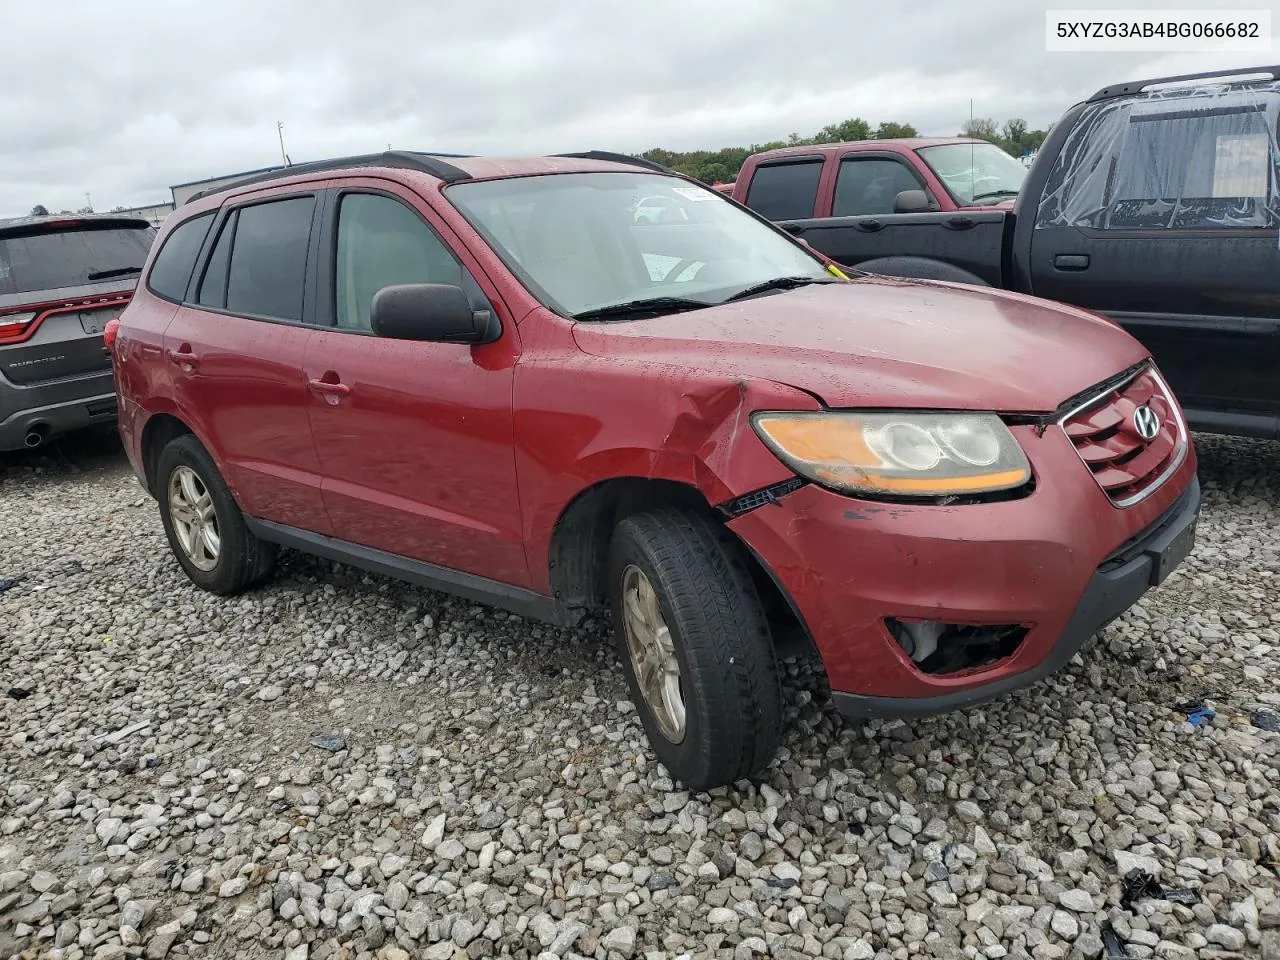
{"x":1170,"y":159}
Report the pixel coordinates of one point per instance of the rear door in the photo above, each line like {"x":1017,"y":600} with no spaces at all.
{"x":416,"y":440}
{"x":786,"y":189}
{"x":1162,"y":213}
{"x":235,"y":349}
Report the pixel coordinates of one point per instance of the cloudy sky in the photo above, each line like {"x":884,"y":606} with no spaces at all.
{"x":122,"y":99}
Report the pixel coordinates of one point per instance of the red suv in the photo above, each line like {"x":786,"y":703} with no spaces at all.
{"x":490,"y":377}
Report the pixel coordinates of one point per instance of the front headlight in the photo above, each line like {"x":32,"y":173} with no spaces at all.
{"x":898,"y":454}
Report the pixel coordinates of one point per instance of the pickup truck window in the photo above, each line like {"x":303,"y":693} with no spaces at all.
{"x":785,"y":191}
{"x":1169,"y":163}
{"x":975,"y":172}
{"x":575,"y":241}
{"x":869,"y":185}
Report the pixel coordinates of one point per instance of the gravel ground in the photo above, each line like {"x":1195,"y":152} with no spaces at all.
{"x":339,"y":765}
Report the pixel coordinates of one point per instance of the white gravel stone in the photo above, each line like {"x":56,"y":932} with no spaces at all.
{"x":968,"y":811}
{"x":1065,"y":925}
{"x":1078,"y":900}
{"x":493,"y":787}
{"x":1225,"y":936}
{"x":620,"y":940}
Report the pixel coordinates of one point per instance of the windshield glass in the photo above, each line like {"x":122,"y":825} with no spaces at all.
{"x":584,"y":241}
{"x":56,"y":258}
{"x":975,"y":172}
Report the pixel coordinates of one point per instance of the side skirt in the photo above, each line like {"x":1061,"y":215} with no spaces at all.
{"x":517,"y":600}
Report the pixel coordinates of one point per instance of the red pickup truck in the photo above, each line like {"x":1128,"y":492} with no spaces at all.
{"x":868,"y":177}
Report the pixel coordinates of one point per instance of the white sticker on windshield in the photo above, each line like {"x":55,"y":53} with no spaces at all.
{"x":692,"y":193}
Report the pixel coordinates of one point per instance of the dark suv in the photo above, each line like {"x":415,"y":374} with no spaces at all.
{"x":61,"y":280}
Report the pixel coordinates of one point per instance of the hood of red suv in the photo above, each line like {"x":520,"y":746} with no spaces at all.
{"x":882,"y":342}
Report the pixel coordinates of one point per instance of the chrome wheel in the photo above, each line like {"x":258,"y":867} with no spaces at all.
{"x":653,"y":653}
{"x":195,"y":522}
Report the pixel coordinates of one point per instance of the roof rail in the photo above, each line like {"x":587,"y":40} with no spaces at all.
{"x":426,"y":162}
{"x":1137,"y":86}
{"x":617,"y":158}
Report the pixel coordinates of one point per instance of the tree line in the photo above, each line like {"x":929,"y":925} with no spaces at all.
{"x":722,"y":166}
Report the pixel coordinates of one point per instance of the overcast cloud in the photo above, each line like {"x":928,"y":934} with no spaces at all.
{"x":122,"y":99}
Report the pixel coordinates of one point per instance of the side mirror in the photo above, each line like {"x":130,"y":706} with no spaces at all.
{"x":912,"y":201}
{"x":434,"y":312}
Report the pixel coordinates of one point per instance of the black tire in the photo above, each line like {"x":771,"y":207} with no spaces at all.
{"x":243,"y":559}
{"x":728,"y":672}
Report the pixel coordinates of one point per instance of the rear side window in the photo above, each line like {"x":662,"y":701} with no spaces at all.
{"x":870,"y":186}
{"x":1194,"y":171}
{"x":785,"y":191}
{"x":269,"y":259}
{"x":1193,"y":162}
{"x":39,"y":258}
{"x":171,"y":271}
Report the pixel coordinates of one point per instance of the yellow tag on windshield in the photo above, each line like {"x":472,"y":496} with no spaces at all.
{"x":835,"y":271}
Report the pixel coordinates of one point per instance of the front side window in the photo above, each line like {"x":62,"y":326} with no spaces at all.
{"x":870,"y":186}
{"x":268,"y":266}
{"x":383,"y":243}
{"x":975,"y":173}
{"x":576,"y":242}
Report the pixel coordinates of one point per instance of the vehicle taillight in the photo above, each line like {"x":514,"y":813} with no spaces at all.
{"x":109,"y":332}
{"x":14,"y":325}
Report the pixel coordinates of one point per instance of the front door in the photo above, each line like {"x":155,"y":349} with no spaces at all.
{"x":1163,"y":215}
{"x":236,"y":348}
{"x":415,"y":439}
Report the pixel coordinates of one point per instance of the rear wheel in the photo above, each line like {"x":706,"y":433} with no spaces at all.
{"x":692,"y":634}
{"x":205,"y":527}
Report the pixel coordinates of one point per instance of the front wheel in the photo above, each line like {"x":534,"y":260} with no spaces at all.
{"x":693,"y":636}
{"x":205,"y":527}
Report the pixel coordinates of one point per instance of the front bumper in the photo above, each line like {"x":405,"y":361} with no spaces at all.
{"x":1060,"y":563}
{"x":1114,"y":588}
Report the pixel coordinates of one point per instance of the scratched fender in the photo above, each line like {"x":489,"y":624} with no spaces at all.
{"x":665,"y":422}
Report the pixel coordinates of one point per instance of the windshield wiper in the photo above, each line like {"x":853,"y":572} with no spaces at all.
{"x":777,"y":283}
{"x":996,"y":193}
{"x":117,"y":272}
{"x":653,"y":306}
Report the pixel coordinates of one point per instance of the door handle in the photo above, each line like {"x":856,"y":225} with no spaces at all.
{"x":332,"y":390}
{"x":959,"y":223}
{"x":1071,"y":261}
{"x":184,"y":358}
{"x":870,"y":226}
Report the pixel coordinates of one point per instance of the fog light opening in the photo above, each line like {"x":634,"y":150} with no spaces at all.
{"x":942,"y":648}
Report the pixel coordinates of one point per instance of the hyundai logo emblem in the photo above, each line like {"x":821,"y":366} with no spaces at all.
{"x":1146,"y":422}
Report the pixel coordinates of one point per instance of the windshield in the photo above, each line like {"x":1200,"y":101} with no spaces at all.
{"x":975,"y":172}
{"x":32,"y":262}
{"x":585,"y":241}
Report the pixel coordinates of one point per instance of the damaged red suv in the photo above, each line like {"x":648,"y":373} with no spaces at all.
{"x":492,"y":378}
